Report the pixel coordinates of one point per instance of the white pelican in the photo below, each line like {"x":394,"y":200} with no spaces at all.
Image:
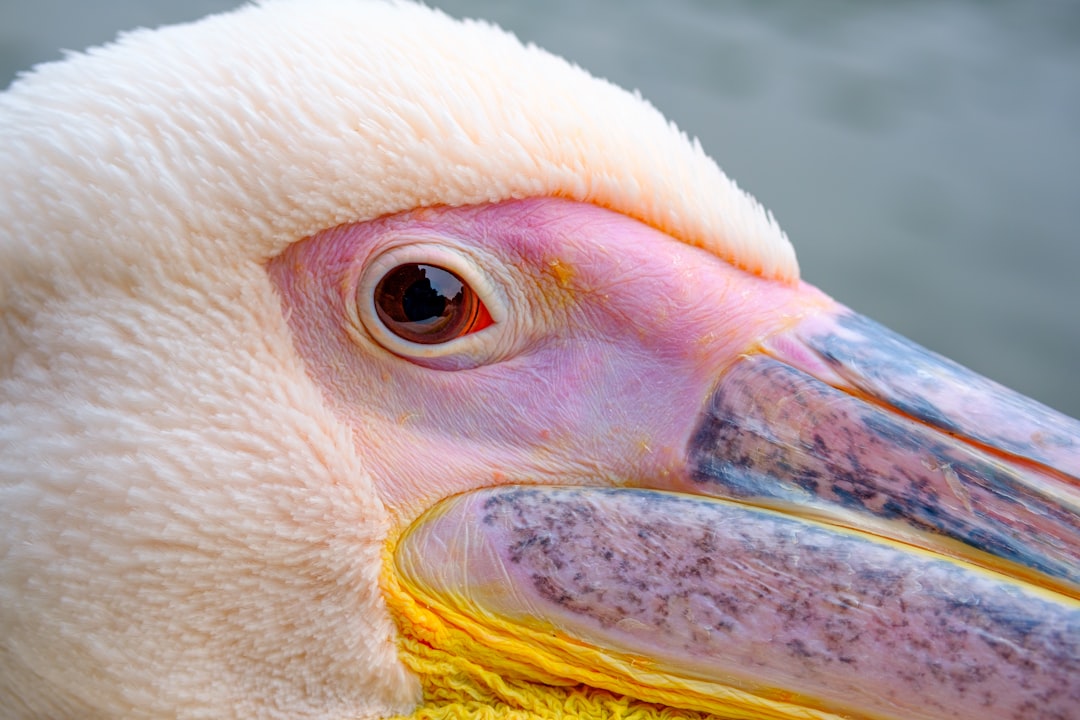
{"x":355,"y":361}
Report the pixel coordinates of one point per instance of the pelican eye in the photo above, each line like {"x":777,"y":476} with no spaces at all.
{"x":428,"y":304}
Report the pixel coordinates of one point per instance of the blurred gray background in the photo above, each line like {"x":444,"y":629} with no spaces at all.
{"x":924,"y":156}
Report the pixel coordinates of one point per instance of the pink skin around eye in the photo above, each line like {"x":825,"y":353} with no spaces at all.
{"x":617,"y":333}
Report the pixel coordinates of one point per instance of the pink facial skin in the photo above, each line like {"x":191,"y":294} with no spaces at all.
{"x":608,"y":338}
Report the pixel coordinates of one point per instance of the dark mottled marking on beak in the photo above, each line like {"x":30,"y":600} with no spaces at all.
{"x":944,"y":394}
{"x":772,"y":432}
{"x":723,"y":590}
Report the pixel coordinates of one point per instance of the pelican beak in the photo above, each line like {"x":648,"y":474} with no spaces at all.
{"x":861,"y":529}
{"x":843,"y":419}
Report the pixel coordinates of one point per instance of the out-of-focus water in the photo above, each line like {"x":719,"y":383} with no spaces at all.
{"x":924,"y":157}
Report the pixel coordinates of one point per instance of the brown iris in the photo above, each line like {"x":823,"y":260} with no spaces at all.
{"x":428,"y":304}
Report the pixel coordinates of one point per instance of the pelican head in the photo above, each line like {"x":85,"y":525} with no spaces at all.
{"x":359,"y":362}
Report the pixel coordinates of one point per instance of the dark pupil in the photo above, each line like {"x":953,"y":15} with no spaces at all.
{"x":425,"y":297}
{"x":425,"y":303}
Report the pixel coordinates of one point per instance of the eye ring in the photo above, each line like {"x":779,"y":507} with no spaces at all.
{"x":474,"y":334}
{"x":428,"y":304}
